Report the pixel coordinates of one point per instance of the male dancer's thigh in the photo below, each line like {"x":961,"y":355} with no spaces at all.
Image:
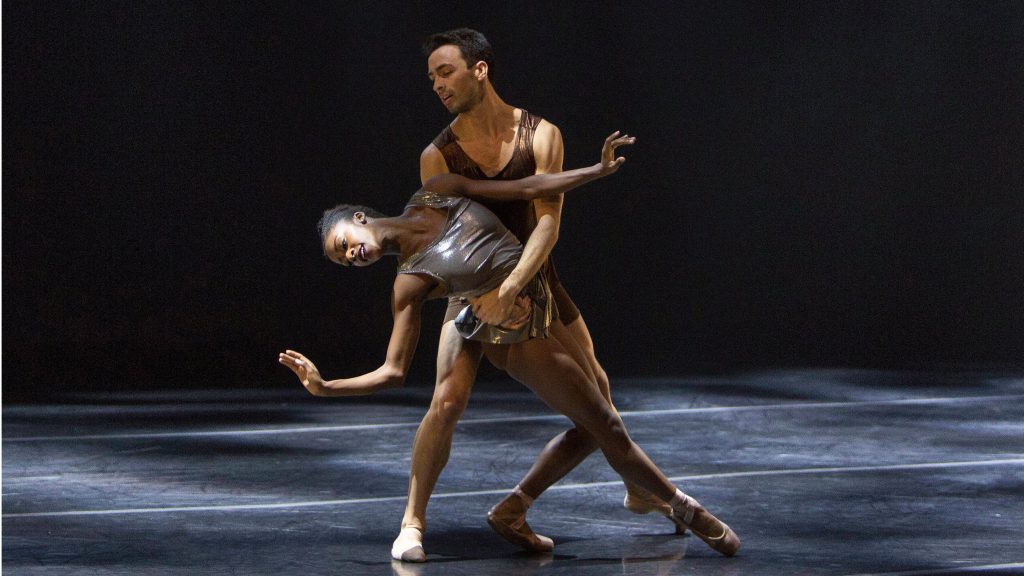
{"x":457,"y":363}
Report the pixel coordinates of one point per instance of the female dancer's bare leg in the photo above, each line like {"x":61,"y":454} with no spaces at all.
{"x":546,"y":367}
{"x":561,"y":454}
{"x":637,"y":500}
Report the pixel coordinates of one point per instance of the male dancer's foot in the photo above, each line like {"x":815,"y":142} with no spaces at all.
{"x":508,"y":519}
{"x":408,"y":547}
{"x":640,"y":501}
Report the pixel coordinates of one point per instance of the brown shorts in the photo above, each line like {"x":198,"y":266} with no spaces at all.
{"x":565,"y":308}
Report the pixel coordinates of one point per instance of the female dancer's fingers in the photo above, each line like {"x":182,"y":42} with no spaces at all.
{"x":297,"y":365}
{"x":623,"y":140}
{"x":298,"y":357}
{"x":290,"y":365}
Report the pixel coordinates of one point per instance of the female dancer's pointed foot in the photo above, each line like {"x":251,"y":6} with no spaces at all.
{"x":408,"y":547}
{"x":508,"y":519}
{"x":642,"y":502}
{"x":704,"y":525}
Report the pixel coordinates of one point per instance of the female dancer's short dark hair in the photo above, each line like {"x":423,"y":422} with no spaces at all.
{"x":340,"y":212}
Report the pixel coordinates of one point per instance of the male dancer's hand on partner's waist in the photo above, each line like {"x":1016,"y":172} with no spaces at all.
{"x":609,"y":163}
{"x":497,"y":309}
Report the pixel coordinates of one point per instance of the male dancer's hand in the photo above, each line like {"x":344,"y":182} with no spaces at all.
{"x":495,"y":307}
{"x":609,"y":163}
{"x":304,"y":369}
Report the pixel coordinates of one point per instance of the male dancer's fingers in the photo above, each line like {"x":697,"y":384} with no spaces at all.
{"x":487,"y":315}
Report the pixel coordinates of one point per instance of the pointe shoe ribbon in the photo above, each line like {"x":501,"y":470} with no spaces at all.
{"x":512,"y":526}
{"x":642,"y":504}
{"x":726,"y":543}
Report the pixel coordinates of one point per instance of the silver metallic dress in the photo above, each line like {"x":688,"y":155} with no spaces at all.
{"x":473,"y":255}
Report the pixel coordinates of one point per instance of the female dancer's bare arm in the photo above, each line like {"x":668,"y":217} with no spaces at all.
{"x":406,"y":303}
{"x":535,"y":186}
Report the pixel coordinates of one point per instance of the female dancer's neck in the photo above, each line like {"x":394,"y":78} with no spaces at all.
{"x":410,"y":232}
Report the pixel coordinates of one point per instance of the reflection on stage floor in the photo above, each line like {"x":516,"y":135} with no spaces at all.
{"x":830,"y":472}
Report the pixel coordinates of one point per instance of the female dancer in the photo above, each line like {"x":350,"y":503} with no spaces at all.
{"x":449,"y":245}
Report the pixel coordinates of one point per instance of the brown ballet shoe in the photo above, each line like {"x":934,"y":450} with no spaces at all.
{"x":512,"y":526}
{"x":638,"y":503}
{"x":726,"y":542}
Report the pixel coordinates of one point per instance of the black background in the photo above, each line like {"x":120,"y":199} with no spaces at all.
{"x":813,"y":184}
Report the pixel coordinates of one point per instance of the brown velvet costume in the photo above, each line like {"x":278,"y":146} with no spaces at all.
{"x":517,"y":215}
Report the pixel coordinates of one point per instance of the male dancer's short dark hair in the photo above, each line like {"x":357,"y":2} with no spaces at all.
{"x":473,"y":45}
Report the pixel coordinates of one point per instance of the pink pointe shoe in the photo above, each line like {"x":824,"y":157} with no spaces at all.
{"x":686,"y":508}
{"x":511,"y":525}
{"x":642,"y":503}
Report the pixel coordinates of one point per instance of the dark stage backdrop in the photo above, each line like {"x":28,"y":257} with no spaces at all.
{"x":814,"y":183}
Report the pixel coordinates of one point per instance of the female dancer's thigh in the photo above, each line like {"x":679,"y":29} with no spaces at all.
{"x":565,"y":337}
{"x":550,"y":371}
{"x":498,"y":354}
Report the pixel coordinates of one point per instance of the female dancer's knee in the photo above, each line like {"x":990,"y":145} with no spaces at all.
{"x":579,"y":439}
{"x":611,"y":435}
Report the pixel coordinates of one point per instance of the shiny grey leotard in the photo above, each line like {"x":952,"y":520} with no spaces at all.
{"x":471,"y":256}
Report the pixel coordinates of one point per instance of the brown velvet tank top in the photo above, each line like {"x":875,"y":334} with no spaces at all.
{"x":516,"y":215}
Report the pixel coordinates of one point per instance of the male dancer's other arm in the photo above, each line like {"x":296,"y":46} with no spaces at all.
{"x":497,"y":306}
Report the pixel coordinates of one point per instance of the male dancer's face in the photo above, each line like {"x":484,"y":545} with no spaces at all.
{"x":455,"y":82}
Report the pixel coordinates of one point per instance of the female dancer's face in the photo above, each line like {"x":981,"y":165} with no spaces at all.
{"x":352,"y":243}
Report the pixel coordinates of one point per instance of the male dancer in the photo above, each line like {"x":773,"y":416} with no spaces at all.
{"x":491,"y":139}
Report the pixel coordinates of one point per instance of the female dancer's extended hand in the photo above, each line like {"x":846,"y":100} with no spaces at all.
{"x":609,"y":163}
{"x":305,"y":370}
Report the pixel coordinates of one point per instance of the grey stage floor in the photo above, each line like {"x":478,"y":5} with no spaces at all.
{"x":830,"y":472}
